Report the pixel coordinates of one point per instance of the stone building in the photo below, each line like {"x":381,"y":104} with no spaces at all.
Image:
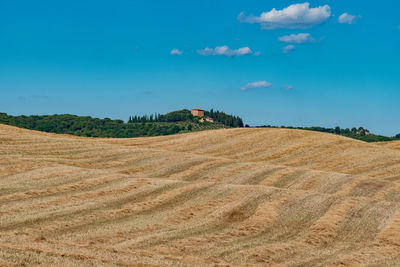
{"x":198,"y":112}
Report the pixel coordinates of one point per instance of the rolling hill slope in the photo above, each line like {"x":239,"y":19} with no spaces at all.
{"x":221,"y":197}
{"x":392,"y":144}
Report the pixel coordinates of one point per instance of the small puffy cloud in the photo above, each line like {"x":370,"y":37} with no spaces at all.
{"x":398,"y":27}
{"x":296,"y":16}
{"x":224,"y":51}
{"x":176,"y":52}
{"x":259,"y":84}
{"x":287,"y":49}
{"x":347,"y":18}
{"x":300,"y":38}
{"x":257,"y":53}
{"x":288,"y":87}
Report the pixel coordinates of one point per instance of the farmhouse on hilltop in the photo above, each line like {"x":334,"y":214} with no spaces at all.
{"x":198,"y":112}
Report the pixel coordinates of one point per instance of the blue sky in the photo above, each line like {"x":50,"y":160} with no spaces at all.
{"x":113,"y":59}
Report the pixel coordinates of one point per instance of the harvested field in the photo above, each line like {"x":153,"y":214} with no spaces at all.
{"x":392,"y":145}
{"x":228,"y":197}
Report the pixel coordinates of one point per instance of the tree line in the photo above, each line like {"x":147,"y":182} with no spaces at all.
{"x":222,"y":117}
{"x":359,"y":133}
{"x":186,"y":115}
{"x":174,"y":116}
{"x":90,"y":127}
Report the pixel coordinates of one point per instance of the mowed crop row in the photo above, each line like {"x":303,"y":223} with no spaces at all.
{"x":222,"y":197}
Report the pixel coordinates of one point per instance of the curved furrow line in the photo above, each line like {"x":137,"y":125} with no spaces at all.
{"x":44,"y":177}
{"x":47,"y":148}
{"x":218,"y":219}
{"x":77,"y":256}
{"x":176,"y":167}
{"x":122,"y":208}
{"x":231,"y":147}
{"x":118,"y":185}
{"x":364,"y":222}
{"x":390,"y":234}
{"x":286,"y":233}
{"x":170,"y":216}
{"x":35,"y":193}
{"x":324,"y":230}
{"x":368,"y":255}
{"x":221,"y":172}
{"x":255,"y":175}
{"x":217,"y":243}
{"x":62,"y":220}
{"x":20,"y":167}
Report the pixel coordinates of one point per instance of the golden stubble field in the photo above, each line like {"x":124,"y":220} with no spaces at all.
{"x":229,"y":197}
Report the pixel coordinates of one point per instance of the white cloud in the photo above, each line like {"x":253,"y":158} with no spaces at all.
{"x":257,"y":53}
{"x":259,"y":84}
{"x":398,"y":27}
{"x":347,"y":18}
{"x":176,"y":52}
{"x":288,"y":87}
{"x":224,"y":51}
{"x":300,"y":38}
{"x":287,"y":49}
{"x":297,"y":16}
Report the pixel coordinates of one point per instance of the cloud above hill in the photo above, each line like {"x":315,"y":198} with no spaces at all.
{"x":300,"y":38}
{"x":176,"y":52}
{"x":296,"y":16}
{"x":225,"y":51}
{"x":348,"y":19}
{"x":288,"y":87}
{"x":258,"y":84}
{"x":287,"y":49}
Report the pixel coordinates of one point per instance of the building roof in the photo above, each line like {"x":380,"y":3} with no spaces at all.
{"x":198,"y":109}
